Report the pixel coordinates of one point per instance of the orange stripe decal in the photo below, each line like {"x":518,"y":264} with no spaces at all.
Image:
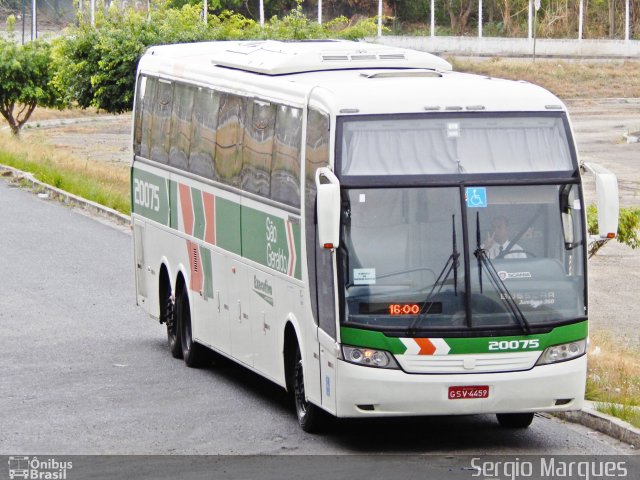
{"x":210,"y":217}
{"x":426,"y":347}
{"x":187,"y":208}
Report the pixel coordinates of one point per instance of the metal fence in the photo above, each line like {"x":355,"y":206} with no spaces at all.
{"x":484,"y":18}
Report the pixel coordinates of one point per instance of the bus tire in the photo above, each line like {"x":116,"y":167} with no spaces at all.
{"x":193,"y":353}
{"x":309,"y":415}
{"x":168,"y":315}
{"x":514,"y":420}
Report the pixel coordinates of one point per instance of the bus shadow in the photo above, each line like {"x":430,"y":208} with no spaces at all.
{"x":465,"y":434}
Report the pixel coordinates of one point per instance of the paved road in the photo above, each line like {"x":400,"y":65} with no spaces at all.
{"x":85,"y":372}
{"x":614,"y":274}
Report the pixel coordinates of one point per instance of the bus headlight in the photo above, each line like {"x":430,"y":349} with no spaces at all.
{"x":368,"y":357}
{"x":563,"y":352}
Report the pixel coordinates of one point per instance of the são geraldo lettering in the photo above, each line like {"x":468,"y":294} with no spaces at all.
{"x":276,"y":258}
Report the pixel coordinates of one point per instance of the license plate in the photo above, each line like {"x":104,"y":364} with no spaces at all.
{"x":459,"y":393}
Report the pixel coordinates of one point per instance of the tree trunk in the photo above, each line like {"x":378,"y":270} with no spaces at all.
{"x":17,"y":120}
{"x":506,"y":15}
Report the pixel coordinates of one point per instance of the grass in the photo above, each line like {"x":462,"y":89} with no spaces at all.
{"x":101,"y":182}
{"x":567,"y":80}
{"x":613,"y":379}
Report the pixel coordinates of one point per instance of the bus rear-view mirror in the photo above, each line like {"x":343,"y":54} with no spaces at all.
{"x":328,"y":208}
{"x":606,"y":200}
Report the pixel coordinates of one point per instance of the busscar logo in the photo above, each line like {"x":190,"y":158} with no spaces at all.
{"x":263,"y":289}
{"x":37,"y":469}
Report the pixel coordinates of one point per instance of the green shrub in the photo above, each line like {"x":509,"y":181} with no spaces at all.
{"x":96,"y":66}
{"x":628,"y":226}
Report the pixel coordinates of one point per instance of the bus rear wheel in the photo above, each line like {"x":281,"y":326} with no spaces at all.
{"x":309,"y":415}
{"x":514,"y":420}
{"x":193,"y":353}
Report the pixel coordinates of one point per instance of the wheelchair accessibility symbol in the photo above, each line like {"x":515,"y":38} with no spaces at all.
{"x":476,"y":197}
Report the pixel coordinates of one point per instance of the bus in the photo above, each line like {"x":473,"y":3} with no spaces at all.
{"x":327,"y":213}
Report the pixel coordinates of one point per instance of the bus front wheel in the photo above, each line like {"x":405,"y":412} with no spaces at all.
{"x":309,"y":415}
{"x":515,"y":420}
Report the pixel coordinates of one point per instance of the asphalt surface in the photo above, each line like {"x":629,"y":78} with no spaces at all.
{"x":84,"y":371}
{"x":614,"y":273}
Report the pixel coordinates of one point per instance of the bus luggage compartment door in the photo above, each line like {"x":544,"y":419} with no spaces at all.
{"x":141,"y":268}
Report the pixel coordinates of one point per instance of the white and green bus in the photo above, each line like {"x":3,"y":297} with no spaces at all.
{"x":372,"y":231}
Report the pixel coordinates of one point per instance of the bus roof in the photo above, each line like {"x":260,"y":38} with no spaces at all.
{"x":346,"y":77}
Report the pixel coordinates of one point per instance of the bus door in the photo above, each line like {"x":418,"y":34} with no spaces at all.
{"x":141,"y":269}
{"x":326,"y":326}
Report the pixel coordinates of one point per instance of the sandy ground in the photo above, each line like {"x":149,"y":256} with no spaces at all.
{"x":599,"y":127}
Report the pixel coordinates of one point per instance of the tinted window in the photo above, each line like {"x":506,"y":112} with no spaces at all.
{"x":257,"y":147}
{"x":205,"y":121}
{"x":285,"y":170}
{"x":181,"y":126}
{"x":147,"y":94}
{"x":161,"y":129}
{"x":228,"y":156}
{"x":319,"y":260}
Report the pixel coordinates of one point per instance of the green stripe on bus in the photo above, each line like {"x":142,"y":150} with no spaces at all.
{"x":173,"y":199}
{"x":228,"y":225}
{"x":198,"y":213}
{"x":367,"y":338}
{"x":264,"y":239}
{"x":150,"y":197}
{"x":565,"y":334}
{"x":205,"y":257}
{"x":557,"y":336}
{"x":297,"y":240}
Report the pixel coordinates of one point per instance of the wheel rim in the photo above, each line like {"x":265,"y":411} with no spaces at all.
{"x":298,"y":389}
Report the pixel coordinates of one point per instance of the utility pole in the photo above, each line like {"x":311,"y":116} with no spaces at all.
{"x":34,"y":21}
{"x":433,"y":19}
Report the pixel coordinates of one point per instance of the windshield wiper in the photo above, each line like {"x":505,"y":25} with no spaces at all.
{"x":451,"y":265}
{"x":505,"y":295}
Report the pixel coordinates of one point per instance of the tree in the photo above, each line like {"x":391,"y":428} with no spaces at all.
{"x":96,"y":66}
{"x":459,"y":13}
{"x":25,"y":81}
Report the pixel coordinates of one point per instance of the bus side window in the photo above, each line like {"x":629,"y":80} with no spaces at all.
{"x":204,"y":125}
{"x":161,"y":130}
{"x":285,"y":167}
{"x":181,"y":126}
{"x":148,"y":100}
{"x":228,"y":156}
{"x":319,"y":260}
{"x":137,"y":125}
{"x":257,"y":146}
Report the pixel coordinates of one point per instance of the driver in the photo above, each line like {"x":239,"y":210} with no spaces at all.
{"x":498,"y":241}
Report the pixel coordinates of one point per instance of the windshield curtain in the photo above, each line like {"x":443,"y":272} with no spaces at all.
{"x":418,"y":145}
{"x":405,"y":267}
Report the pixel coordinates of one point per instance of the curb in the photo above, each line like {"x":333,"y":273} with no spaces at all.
{"x":66,"y":197}
{"x":588,"y":416}
{"x":601,"y":422}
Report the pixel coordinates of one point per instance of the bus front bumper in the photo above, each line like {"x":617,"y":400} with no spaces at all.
{"x":369,"y":392}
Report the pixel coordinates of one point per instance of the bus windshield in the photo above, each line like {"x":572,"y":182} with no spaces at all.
{"x":448,"y":144}
{"x":405,"y":266}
